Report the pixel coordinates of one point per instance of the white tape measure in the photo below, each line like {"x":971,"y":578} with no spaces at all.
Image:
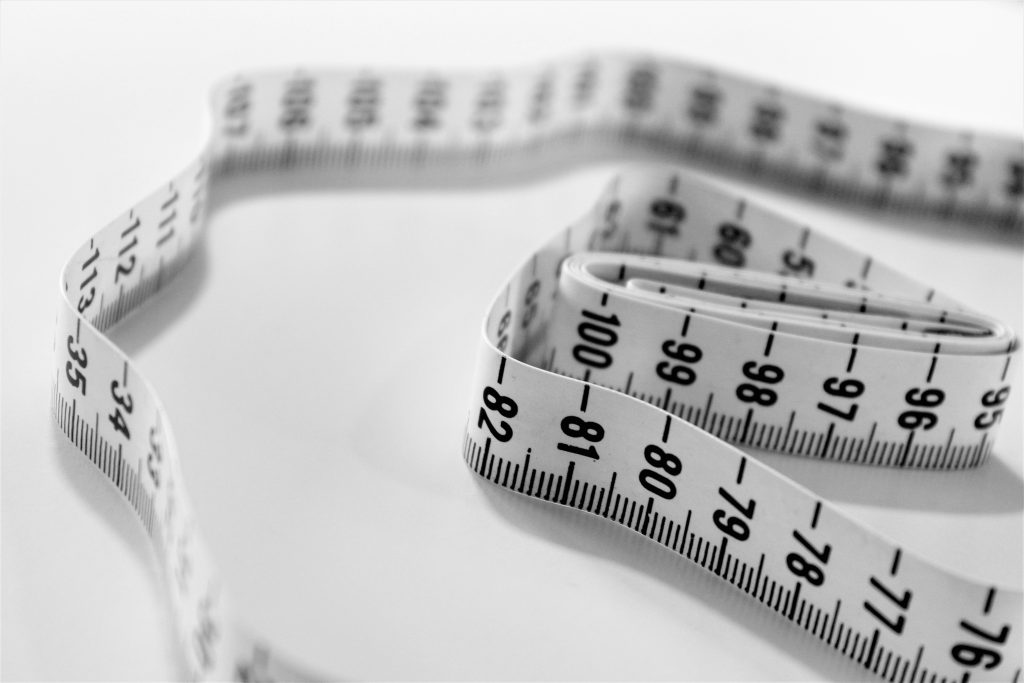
{"x":624,"y":353}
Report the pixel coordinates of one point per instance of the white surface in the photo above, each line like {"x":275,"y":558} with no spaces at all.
{"x":317,"y":385}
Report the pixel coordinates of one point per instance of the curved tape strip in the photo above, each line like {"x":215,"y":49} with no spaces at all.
{"x":671,"y":310}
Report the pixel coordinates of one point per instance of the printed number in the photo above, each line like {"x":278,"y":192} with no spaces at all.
{"x":489,"y":106}
{"x":296,"y":104}
{"x":829,"y":140}
{"x":504,"y":406}
{"x":236,"y":110}
{"x":85,"y":300}
{"x":363,"y":102}
{"x":794,"y":263}
{"x":902,"y":603}
{"x":765,"y":374}
{"x":973,"y":655}
{"x":665,"y":217}
{"x":680,"y":374}
{"x":1015,"y":182}
{"x":705,"y":103}
{"x":79,"y":360}
{"x":847,"y":388}
{"x":992,"y":399}
{"x":123,"y":400}
{"x":430,"y":100}
{"x":125,"y":267}
{"x":599,"y":336}
{"x":155,"y":458}
{"x":583,"y":87}
{"x":576,"y":427}
{"x":921,"y":398}
{"x":532,"y":292}
{"x":640,"y":88}
{"x":732,"y":525}
{"x":767,"y":121}
{"x":731,"y":251}
{"x":657,"y":482}
{"x":803,"y":568}
{"x":540,"y":101}
{"x":959,"y":169}
{"x":506,"y":320}
{"x":894,"y":158}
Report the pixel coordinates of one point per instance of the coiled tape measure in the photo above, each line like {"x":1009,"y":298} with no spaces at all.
{"x":623,"y":354}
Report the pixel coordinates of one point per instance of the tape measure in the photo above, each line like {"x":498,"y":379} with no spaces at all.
{"x":623,"y":355}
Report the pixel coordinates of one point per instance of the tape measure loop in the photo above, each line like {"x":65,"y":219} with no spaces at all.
{"x":626,"y":351}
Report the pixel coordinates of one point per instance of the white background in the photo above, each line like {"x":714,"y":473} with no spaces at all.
{"x":316,"y":356}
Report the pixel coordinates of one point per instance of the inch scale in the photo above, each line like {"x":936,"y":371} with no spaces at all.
{"x":670,"y":312}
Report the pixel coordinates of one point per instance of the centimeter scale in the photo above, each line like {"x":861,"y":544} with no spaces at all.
{"x":623,"y":354}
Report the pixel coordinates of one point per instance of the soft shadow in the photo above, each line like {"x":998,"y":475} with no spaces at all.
{"x":160,"y":311}
{"x":589,"y":534}
{"x":990,"y":488}
{"x":525,"y":170}
{"x":90,"y":484}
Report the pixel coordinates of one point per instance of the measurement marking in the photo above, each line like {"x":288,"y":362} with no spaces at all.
{"x":160,"y":242}
{"x":803,"y":238}
{"x":895,"y":562}
{"x":917,"y":663}
{"x":611,"y":488}
{"x":771,"y":338}
{"x":686,"y":525}
{"x":743,"y":466}
{"x":526,"y":468}
{"x":789,"y":428}
{"x":817,"y":511}
{"x":871,"y":649}
{"x":664,"y":433}
{"x":935,"y":359}
{"x":707,"y":411}
{"x":864,"y":270}
{"x":823,"y":450}
{"x":1002,"y":378}
{"x":853,"y":352}
{"x":604,"y":299}
{"x":988,"y":600}
{"x":586,"y":396}
{"x":568,"y":478}
{"x":483,"y":458}
{"x":835,"y":620}
{"x":646,"y":516}
{"x":686,"y":327}
{"x":906,"y":450}
{"x":629,"y":382}
{"x":721,"y":555}
{"x":746,"y":425}
{"x":173,"y":198}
